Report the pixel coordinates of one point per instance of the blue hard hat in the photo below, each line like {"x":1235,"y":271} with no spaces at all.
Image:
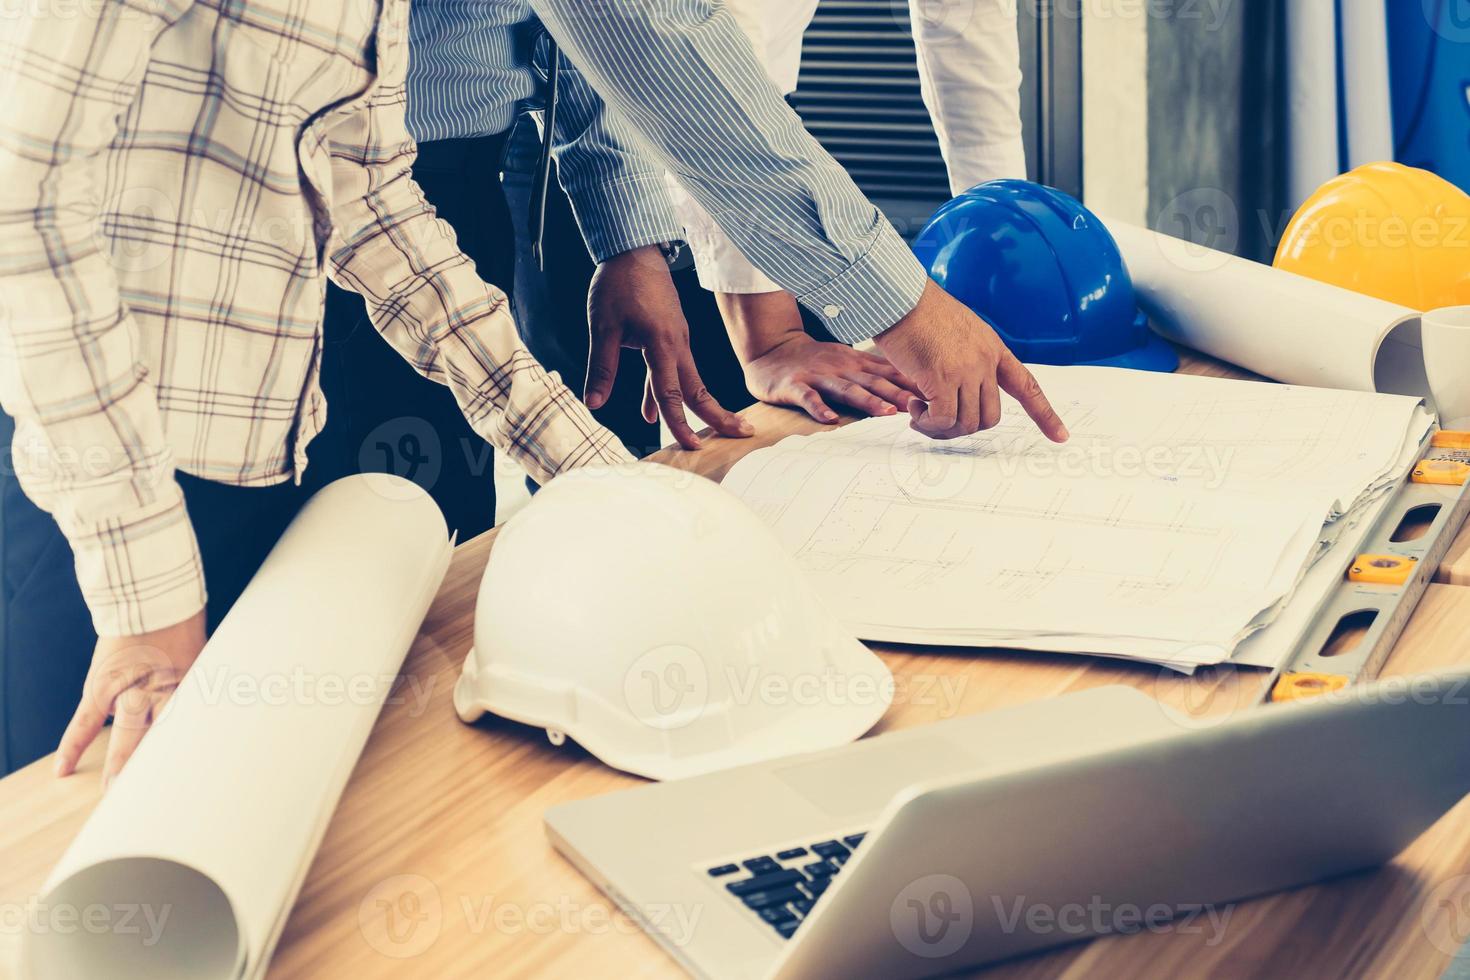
{"x":1043,"y":271}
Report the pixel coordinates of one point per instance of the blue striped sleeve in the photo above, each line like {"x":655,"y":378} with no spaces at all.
{"x":684,"y":75}
{"x":617,"y":190}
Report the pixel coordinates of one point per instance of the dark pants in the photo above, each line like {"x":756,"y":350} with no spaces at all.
{"x":45,"y":629}
{"x":387,"y":417}
{"x":551,"y":308}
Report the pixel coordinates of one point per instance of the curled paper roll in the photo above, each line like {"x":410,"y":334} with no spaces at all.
{"x":207,"y":834}
{"x":1277,"y":324}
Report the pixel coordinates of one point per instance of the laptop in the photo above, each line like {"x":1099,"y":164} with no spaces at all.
{"x":989,"y":836}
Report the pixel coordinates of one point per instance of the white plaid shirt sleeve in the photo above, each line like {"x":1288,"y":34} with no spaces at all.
{"x":89,"y":443}
{"x":426,"y":299}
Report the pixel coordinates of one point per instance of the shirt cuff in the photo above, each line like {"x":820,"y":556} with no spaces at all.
{"x":620,"y":215}
{"x":543,"y":426}
{"x":873,"y":293}
{"x":140,"y":571}
{"x":722,"y":268}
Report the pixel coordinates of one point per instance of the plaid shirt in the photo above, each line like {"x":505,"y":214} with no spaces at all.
{"x":177,"y":180}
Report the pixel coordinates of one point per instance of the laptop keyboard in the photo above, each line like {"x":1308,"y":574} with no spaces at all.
{"x":782,"y":887}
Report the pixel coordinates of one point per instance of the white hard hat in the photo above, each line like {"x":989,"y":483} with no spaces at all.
{"x":649,"y":615}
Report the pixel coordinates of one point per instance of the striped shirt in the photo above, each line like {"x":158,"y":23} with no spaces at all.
{"x":684,"y":93}
{"x":177,"y":181}
{"x":969,"y":61}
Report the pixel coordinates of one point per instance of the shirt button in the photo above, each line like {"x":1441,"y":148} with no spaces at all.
{"x":831,"y":311}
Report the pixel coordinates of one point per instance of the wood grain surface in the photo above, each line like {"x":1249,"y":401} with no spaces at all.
{"x":436,"y":864}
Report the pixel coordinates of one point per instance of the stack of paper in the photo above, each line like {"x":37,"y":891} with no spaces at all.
{"x":1181,"y":518}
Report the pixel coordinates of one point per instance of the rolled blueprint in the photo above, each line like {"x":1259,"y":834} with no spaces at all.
{"x":1277,"y":324}
{"x":206,"y":836}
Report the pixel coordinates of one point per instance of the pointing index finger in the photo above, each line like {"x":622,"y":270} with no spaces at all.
{"x":1022,"y":385}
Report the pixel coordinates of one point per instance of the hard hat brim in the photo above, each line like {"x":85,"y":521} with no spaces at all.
{"x":804,"y":729}
{"x":1157,"y":354}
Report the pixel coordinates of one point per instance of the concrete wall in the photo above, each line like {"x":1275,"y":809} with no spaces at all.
{"x":1182,"y":110}
{"x":1215,"y":120}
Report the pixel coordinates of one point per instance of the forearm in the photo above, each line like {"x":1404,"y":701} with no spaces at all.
{"x":757,"y":322}
{"x":90,"y":446}
{"x":711,"y":116}
{"x":617,"y":190}
{"x":93,"y":454}
{"x":424,"y":296}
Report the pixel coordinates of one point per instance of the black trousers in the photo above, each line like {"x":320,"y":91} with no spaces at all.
{"x":384,"y":415}
{"x":551,"y":307}
{"x":46,"y":636}
{"x":392,"y":419}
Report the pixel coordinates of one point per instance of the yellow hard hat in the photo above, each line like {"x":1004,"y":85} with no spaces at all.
{"x":1390,"y":231}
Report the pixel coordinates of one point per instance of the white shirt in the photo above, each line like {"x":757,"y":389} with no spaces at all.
{"x":969,"y":58}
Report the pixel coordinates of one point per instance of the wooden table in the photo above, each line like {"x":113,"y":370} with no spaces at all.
{"x":442,"y":822}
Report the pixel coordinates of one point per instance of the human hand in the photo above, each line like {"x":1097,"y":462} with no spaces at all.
{"x":632,"y":303}
{"x":786,"y":366}
{"x":960,"y":366}
{"x":131,"y":679}
{"x":800,"y":370}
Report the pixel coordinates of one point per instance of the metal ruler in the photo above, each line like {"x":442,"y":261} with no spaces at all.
{"x":1360,"y":623}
